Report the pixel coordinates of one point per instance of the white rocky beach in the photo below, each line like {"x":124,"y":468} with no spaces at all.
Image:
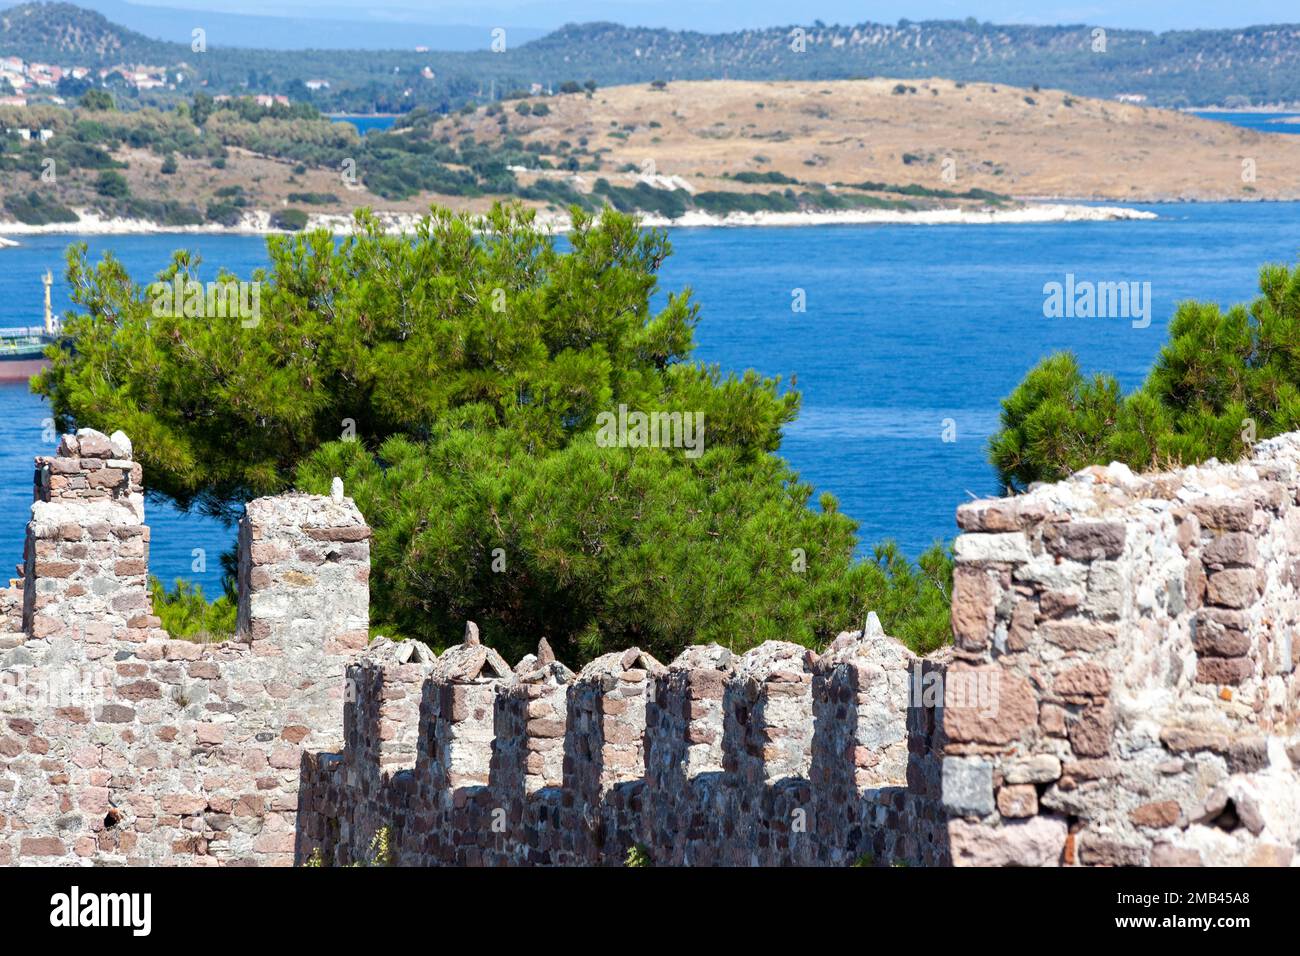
{"x":259,"y":222}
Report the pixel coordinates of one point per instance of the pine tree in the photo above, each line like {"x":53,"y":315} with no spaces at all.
{"x":455,"y":380}
{"x":1222,"y":381}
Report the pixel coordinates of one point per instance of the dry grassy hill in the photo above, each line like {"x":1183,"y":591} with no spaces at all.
{"x":960,"y":142}
{"x":1021,"y":142}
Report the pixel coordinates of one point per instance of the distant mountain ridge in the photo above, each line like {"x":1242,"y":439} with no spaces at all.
{"x":274,"y":32}
{"x":56,"y":31}
{"x":1194,"y":67}
{"x":1259,"y":65}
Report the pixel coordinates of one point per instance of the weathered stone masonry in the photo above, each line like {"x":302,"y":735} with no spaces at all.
{"x":1121,"y":690}
{"x":777,"y":756}
{"x":1141,"y":631}
{"x":120,"y":745}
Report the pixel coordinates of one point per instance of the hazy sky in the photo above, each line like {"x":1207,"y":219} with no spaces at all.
{"x":716,"y":15}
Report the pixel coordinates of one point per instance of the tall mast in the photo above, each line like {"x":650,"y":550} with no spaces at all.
{"x":51,"y":324}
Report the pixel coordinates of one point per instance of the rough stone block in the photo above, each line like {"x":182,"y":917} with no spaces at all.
{"x":973,"y":598}
{"x":1163,"y":813}
{"x":1019,"y":800}
{"x":1042,"y":768}
{"x":1223,"y":670}
{"x":968,"y":786}
{"x":1225,"y":515}
{"x":988,"y":704}
{"x":1085,"y":540}
{"x":1221,"y":632}
{"x":1233,"y":549}
{"x":1010,"y":548}
{"x":1235,"y":587}
{"x":1038,"y":841}
{"x":1078,"y":635}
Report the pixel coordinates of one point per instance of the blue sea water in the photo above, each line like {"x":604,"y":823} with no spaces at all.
{"x":1263,"y":122}
{"x":907,"y":329}
{"x":365,"y":124}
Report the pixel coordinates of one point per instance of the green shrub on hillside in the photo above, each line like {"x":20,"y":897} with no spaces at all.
{"x":166,"y":212}
{"x":37,"y":210}
{"x":96,"y":100}
{"x":112,"y":184}
{"x":314,"y":199}
{"x":670,"y":203}
{"x":224,"y":213}
{"x":771,"y":176}
{"x":292,"y":220}
{"x":557,"y":193}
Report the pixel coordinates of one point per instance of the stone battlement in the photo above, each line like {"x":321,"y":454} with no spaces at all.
{"x":1121,"y":691}
{"x":777,"y":756}
{"x":1142,"y":630}
{"x":121,"y":745}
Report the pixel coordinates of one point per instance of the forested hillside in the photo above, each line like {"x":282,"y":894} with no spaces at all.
{"x":1186,"y":68}
{"x":53,"y":32}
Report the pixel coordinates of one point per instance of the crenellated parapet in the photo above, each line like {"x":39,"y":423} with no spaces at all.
{"x":458,"y":713}
{"x":86,"y":556}
{"x":1121,"y":690}
{"x":304,"y":575}
{"x":607,"y":714}
{"x":381,"y":716}
{"x":530,"y":721}
{"x":684,"y":754}
{"x":710,"y":760}
{"x":122,"y":745}
{"x":876,"y":709}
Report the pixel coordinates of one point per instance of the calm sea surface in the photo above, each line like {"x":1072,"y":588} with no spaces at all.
{"x":365,"y":124}
{"x":1263,"y":122}
{"x":906,"y":329}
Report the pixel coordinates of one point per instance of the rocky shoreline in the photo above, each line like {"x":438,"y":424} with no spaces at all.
{"x":259,"y":222}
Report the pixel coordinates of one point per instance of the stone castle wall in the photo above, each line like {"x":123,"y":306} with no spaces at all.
{"x":1141,"y":632}
{"x":1121,"y":691}
{"x":119,"y":745}
{"x":777,"y":756}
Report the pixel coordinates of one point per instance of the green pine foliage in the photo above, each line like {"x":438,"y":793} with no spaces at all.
{"x":1223,"y":380}
{"x":454,"y":380}
{"x":187,"y":615}
{"x":638,"y":856}
{"x":603,"y":548}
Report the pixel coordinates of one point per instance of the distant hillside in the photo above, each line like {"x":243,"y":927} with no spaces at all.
{"x":1256,"y":65}
{"x":61,"y":32}
{"x":1197,"y":67}
{"x":716,"y":148}
{"x":916,"y":136}
{"x":174,"y":23}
